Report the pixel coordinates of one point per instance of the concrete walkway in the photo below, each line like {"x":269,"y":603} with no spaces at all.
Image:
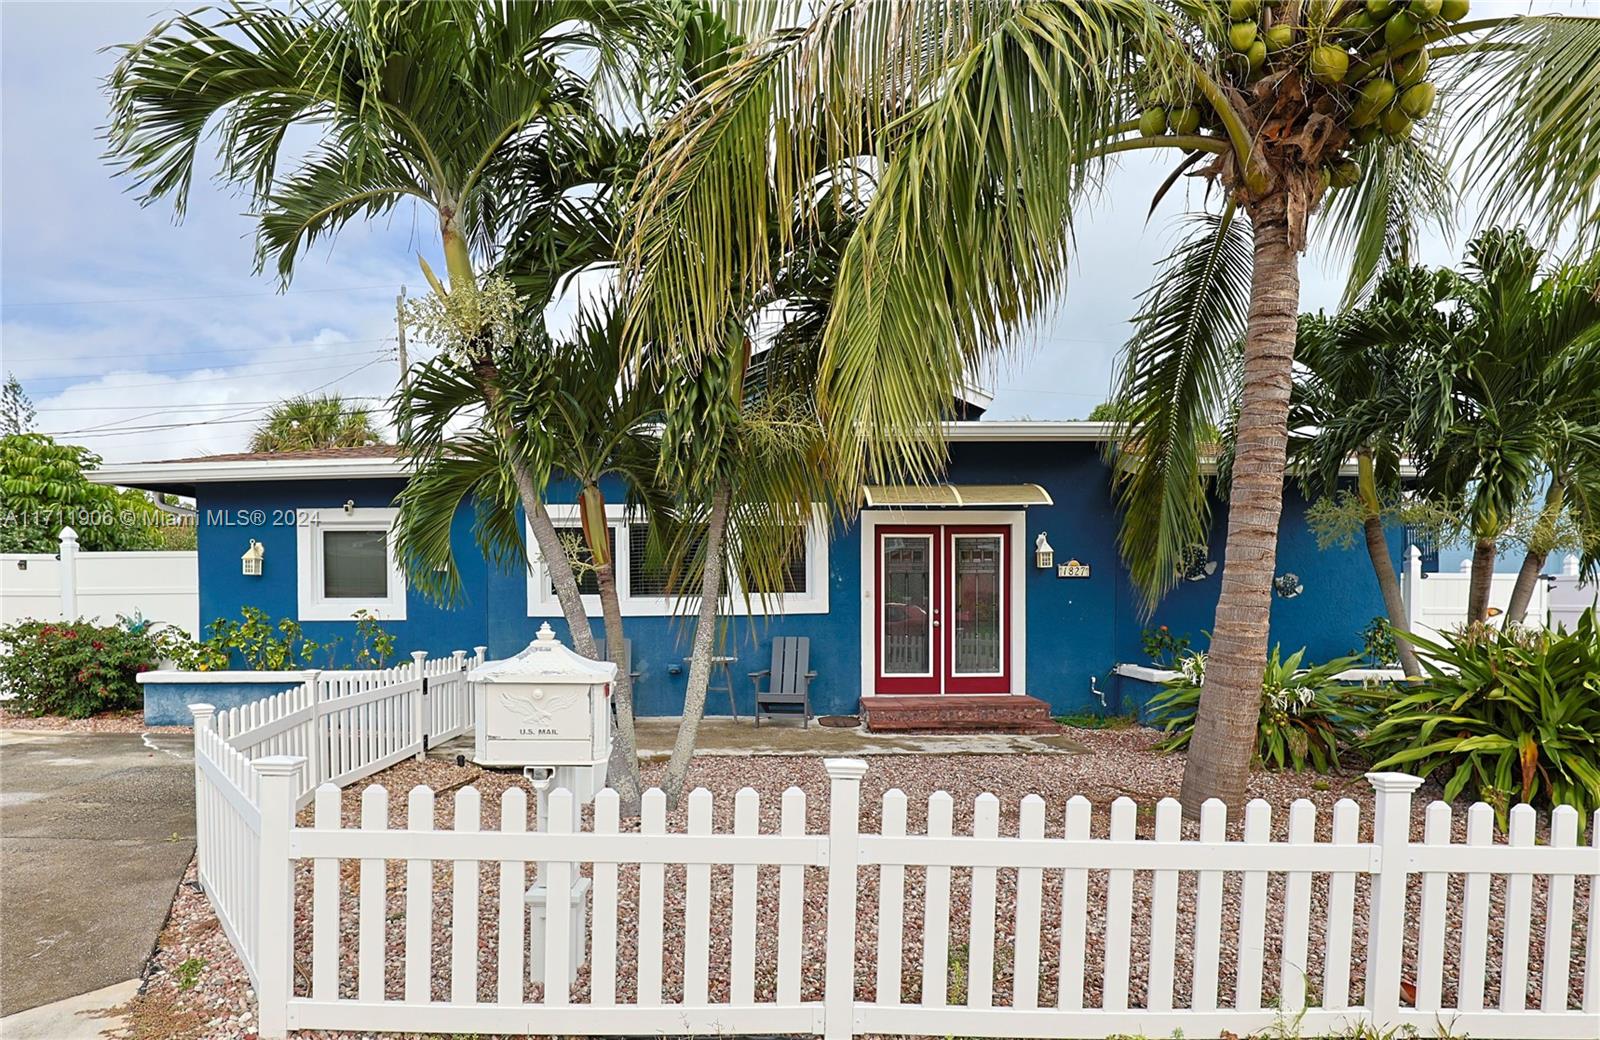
{"x":96,"y":830}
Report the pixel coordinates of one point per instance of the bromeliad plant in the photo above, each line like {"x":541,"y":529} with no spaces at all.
{"x":1505,"y":715}
{"x":1307,"y":717}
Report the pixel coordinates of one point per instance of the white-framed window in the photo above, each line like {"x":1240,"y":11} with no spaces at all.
{"x":347,"y":563}
{"x":642,"y":590}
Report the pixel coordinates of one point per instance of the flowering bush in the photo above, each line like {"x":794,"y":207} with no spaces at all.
{"x":1162,"y":647}
{"x":1306,"y":716}
{"x":76,"y":668}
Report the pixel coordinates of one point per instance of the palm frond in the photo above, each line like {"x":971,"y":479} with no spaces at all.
{"x":1173,"y":393}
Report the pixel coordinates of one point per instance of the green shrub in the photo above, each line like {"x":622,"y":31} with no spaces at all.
{"x":1511,"y":715}
{"x":76,"y":668}
{"x":1306,"y":717}
{"x":265,"y":645}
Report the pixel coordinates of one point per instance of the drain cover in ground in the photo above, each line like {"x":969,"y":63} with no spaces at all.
{"x":839,"y":721}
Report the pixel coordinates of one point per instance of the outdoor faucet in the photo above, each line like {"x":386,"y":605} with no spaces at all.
{"x":1094,"y":688}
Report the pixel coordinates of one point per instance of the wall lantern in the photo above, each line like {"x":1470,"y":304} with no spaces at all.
{"x":251,"y":559}
{"x":349,"y":506}
{"x":1044,"y":557}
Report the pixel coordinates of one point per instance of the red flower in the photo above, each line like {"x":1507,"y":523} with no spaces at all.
{"x":72,"y":633}
{"x":1163,"y":628}
{"x":98,"y":645}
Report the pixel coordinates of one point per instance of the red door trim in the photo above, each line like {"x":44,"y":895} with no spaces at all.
{"x":910,"y":684}
{"x":1000,"y":683}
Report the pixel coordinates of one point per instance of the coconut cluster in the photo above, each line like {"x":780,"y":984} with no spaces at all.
{"x":1386,"y":100}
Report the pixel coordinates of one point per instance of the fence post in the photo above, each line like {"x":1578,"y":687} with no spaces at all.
{"x":318,"y":754}
{"x":69,"y":574}
{"x":419,"y":710}
{"x":844,"y":853}
{"x":1386,"y":925}
{"x":1411,"y":590}
{"x":478,"y":653}
{"x":275,"y":941}
{"x":205,"y":719}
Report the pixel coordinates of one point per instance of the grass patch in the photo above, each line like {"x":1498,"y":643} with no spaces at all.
{"x":188,"y":973}
{"x":1093,"y":720}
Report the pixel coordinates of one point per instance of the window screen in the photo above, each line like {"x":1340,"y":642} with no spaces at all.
{"x":355,"y":564}
{"x":647,"y":578}
{"x":578,"y":549}
{"x":794,"y":574}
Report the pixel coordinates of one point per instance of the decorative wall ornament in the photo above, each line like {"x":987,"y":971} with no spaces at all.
{"x":1287,"y":585}
{"x":1198,"y":564}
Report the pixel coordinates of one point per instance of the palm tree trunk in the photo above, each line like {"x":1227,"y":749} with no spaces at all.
{"x":694,"y":697}
{"x":1539,"y":546}
{"x":624,"y":769}
{"x":557,"y":565}
{"x":1383,"y":565}
{"x":1484,"y":551}
{"x":1230,"y":702}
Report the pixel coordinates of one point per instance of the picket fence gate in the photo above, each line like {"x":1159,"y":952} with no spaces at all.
{"x":251,"y":877}
{"x":343,"y":726}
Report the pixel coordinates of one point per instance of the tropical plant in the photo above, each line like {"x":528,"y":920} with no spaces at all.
{"x":1511,"y":395}
{"x":43,"y":489}
{"x":1162,"y":647}
{"x":74,"y":668}
{"x":1307,"y":717}
{"x":305,"y":422}
{"x":976,"y":129}
{"x":1379,"y":645}
{"x":1357,"y":379}
{"x":1504,"y":716}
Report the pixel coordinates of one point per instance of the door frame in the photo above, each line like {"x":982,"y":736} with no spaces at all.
{"x":1016,"y":575}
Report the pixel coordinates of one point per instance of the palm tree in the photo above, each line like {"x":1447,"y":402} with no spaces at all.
{"x":305,"y":422}
{"x":1513,"y":395}
{"x":977,"y":127}
{"x":1353,"y":399}
{"x":484,"y":115}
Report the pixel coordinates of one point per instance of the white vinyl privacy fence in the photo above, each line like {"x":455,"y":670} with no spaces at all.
{"x":159,"y":586}
{"x":1073,"y":926}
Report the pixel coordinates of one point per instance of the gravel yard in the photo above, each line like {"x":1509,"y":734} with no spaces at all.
{"x":131,"y":721}
{"x":1118,"y":763}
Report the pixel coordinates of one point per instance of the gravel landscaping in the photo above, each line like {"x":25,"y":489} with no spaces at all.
{"x":1118,"y":763}
{"x":131,"y":721}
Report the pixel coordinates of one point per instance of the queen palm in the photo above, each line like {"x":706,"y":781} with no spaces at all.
{"x":1512,"y":395}
{"x":305,"y":422}
{"x":977,"y":128}
{"x":1353,"y":400}
{"x":482,"y":114}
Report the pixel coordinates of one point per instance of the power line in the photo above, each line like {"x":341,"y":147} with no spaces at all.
{"x":191,"y":407}
{"x":185,"y":353}
{"x":231,"y":379}
{"x":291,"y":361}
{"x":207,"y":296}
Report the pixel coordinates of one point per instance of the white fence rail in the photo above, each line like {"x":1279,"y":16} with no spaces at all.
{"x":160,"y":586}
{"x":1068,"y":927}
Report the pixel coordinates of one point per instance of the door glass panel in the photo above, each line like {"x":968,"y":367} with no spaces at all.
{"x":907,"y":584}
{"x":977,"y":605}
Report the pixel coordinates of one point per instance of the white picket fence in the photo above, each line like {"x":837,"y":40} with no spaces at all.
{"x":343,"y":727}
{"x":792,"y":954}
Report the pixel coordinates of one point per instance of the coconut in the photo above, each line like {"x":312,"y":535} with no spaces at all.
{"x":1411,"y":68}
{"x":1373,"y":97}
{"x":1153,"y":121}
{"x":1380,"y":8}
{"x":1279,"y":37}
{"x":1424,"y":10}
{"x":1243,"y":10}
{"x":1454,"y":10}
{"x":1185,"y":120}
{"x":1417,"y":101}
{"x":1364,"y":135}
{"x":1241,"y":35}
{"x":1395,"y":122}
{"x":1359,"y":24}
{"x":1398,"y":29}
{"x":1256,"y":56}
{"x":1329,"y":64}
{"x":1344,"y":174}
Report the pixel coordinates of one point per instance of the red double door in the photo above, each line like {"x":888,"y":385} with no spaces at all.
{"x":944,"y":609}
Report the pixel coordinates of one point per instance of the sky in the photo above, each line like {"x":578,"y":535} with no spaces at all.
{"x":144,"y":338}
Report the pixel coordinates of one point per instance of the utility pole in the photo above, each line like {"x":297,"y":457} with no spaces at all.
{"x":400,"y":324}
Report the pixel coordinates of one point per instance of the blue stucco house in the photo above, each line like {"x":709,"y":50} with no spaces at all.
{"x":928,"y":593}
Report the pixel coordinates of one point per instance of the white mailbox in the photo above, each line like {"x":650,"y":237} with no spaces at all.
{"x":546,"y":707}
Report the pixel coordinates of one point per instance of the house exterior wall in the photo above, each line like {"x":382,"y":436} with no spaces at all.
{"x":1075,"y":628}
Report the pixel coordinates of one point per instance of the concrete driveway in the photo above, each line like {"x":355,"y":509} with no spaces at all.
{"x":95,"y":832}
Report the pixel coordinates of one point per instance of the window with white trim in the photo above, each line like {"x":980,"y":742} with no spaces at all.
{"x":346,"y":563}
{"x":645,"y":587}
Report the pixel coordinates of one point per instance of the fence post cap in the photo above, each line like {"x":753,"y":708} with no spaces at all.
{"x":311,"y":674}
{"x":845,"y":768}
{"x":1413,"y":553}
{"x":69,"y":535}
{"x":418,"y":655}
{"x":480,"y":650}
{"x":279,"y":765}
{"x":202,"y":711}
{"x":1394,"y":783}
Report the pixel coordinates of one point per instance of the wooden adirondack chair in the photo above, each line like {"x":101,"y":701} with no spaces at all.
{"x":788,"y":681}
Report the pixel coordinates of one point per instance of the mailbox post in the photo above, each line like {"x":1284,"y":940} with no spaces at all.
{"x":547,"y":710}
